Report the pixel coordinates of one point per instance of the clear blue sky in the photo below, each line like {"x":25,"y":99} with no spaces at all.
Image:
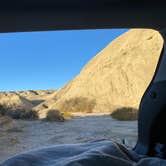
{"x":48,"y":60}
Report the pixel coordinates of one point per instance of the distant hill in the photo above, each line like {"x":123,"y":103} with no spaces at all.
{"x":36,"y":96}
{"x":116,"y":77}
{"x":25,"y":100}
{"x":14,"y":101}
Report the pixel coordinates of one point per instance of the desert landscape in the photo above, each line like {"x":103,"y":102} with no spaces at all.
{"x":99,"y":103}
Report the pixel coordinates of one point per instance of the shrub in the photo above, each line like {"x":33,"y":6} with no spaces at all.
{"x":28,"y":114}
{"x":22,"y":114}
{"x":18,"y":113}
{"x":78,"y":104}
{"x":15,"y":114}
{"x":3,"y":110}
{"x":67,"y":115}
{"x":45,"y":106}
{"x":54,"y":115}
{"x":125,"y":114}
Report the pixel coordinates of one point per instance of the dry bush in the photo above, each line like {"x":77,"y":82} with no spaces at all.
{"x":44,"y":105}
{"x":67,"y":115}
{"x":3,"y":110}
{"x":22,"y":114}
{"x":54,"y":115}
{"x":125,"y":114}
{"x":78,"y":104}
{"x":18,"y":113}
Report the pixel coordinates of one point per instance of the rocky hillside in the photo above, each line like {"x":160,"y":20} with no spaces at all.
{"x":116,"y":77}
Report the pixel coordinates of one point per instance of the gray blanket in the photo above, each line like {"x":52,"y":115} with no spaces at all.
{"x":99,"y":153}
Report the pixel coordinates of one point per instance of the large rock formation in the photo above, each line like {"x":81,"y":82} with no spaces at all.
{"x":116,"y":77}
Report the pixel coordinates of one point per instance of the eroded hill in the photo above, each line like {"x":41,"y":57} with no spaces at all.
{"x":36,"y":96}
{"x":14,"y":101}
{"x":116,"y":77}
{"x":24,"y":100}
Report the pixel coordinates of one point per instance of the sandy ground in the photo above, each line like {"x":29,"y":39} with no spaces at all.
{"x":37,"y":134}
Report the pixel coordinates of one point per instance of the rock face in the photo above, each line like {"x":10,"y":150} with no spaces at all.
{"x":117,"y":76}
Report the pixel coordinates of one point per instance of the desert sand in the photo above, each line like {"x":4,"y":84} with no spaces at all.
{"x":29,"y":135}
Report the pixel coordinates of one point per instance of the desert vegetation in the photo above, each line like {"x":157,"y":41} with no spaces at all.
{"x":22,"y":114}
{"x":125,"y":113}
{"x":78,"y":104}
{"x":54,"y":115}
{"x":58,"y":116}
{"x":17,"y":113}
{"x":3,"y":110}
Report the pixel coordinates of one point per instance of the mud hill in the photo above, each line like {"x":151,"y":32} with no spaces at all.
{"x":24,"y":100}
{"x":116,"y":77}
{"x":36,"y":96}
{"x":15,"y":101}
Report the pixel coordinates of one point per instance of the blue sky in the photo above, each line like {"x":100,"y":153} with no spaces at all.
{"x":48,"y":60}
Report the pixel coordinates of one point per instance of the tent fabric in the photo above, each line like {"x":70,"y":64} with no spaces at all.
{"x":98,"y":153}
